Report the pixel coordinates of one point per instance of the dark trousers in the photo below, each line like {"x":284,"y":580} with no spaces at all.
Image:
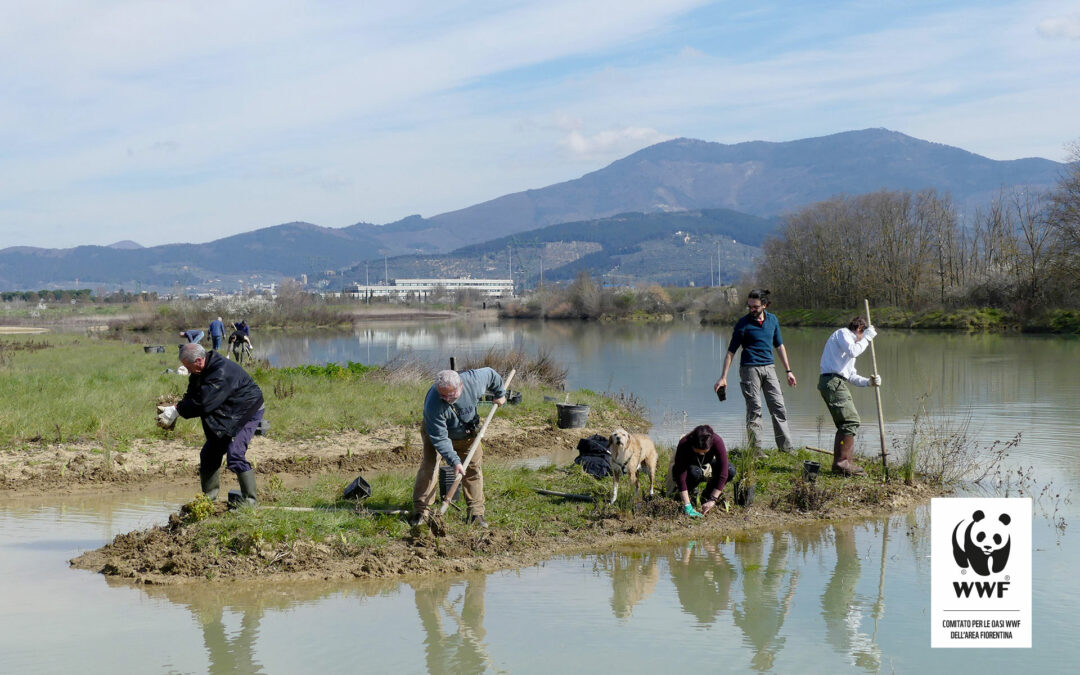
{"x":234,"y":449}
{"x":695,"y":476}
{"x":216,"y":339}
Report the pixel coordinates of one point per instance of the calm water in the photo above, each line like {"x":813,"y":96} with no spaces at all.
{"x":846,"y":597}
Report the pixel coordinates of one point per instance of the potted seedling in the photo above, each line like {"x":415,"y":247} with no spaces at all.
{"x":745,"y":461}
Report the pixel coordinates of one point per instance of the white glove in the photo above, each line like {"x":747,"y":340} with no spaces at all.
{"x":167,"y":416}
{"x":870,"y":333}
{"x":875,"y":380}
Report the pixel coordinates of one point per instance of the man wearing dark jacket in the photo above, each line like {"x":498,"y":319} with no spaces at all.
{"x":230,"y":405}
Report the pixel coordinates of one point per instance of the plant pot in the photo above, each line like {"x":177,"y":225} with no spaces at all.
{"x":810,"y":470}
{"x":572,"y":416}
{"x":744,"y":494}
{"x":446,"y":480}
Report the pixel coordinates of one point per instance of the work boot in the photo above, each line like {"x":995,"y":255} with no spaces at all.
{"x":210,"y":480}
{"x":247,"y":485}
{"x":844,"y":456}
{"x":418,"y":519}
{"x":478,"y":520}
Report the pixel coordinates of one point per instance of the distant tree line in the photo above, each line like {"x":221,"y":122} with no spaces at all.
{"x":911,"y":250}
{"x":79,"y":295}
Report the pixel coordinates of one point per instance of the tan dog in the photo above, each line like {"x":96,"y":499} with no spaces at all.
{"x":628,"y":452}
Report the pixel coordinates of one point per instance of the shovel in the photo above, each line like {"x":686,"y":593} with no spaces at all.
{"x":472,"y":449}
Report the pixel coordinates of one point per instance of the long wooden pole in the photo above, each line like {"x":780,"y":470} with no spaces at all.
{"x":472,"y":448}
{"x":877,"y":395}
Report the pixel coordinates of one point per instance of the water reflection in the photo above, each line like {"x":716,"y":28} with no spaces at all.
{"x":456,"y":645}
{"x":633,"y":578}
{"x":768,"y":589}
{"x":702,"y":577}
{"x":844,"y":612}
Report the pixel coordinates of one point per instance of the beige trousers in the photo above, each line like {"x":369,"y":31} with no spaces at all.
{"x":427,"y":477}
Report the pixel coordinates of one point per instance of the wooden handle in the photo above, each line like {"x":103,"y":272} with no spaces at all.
{"x":472,"y":448}
{"x":877,"y":396}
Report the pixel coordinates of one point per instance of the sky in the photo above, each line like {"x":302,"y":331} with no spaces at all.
{"x":187,"y":121}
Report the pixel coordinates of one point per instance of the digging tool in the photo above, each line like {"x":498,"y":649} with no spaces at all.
{"x":824,"y":452}
{"x":877,"y":394}
{"x":472,"y":449}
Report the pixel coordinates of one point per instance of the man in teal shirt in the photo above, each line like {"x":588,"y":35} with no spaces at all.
{"x":450,"y":425}
{"x":758,"y":333}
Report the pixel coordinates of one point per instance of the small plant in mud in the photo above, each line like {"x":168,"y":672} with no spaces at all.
{"x":197,"y":509}
{"x":283,"y":389}
{"x":806,"y":495}
{"x":272,"y":489}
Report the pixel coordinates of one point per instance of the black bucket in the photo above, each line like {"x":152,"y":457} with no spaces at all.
{"x":358,"y":489}
{"x":446,"y":479}
{"x":810,"y":470}
{"x":571,"y":415}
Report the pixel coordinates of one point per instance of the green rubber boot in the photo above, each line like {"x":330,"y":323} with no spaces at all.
{"x":210,"y":480}
{"x":247,"y":485}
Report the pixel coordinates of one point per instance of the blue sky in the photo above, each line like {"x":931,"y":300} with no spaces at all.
{"x":187,"y":121}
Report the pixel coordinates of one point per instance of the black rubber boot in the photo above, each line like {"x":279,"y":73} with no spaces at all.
{"x":210,"y":480}
{"x":247,"y":485}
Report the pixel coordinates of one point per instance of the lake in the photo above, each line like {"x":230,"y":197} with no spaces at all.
{"x":850,"y":596}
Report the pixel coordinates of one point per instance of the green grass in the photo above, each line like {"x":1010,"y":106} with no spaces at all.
{"x":80,"y":388}
{"x":513,"y":505}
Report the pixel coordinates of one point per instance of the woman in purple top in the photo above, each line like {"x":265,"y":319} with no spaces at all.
{"x":700,"y":456}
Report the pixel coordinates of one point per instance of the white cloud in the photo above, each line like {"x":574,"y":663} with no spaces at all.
{"x":1067,"y":27}
{"x":136,"y":119}
{"x":612,"y":143}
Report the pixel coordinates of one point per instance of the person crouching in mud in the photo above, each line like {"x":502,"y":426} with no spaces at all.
{"x":700,"y":457}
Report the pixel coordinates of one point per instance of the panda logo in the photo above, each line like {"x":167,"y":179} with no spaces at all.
{"x":982,"y":543}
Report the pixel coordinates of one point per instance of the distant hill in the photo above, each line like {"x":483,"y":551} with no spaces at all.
{"x":126,"y":245}
{"x":758,"y":178}
{"x":683,"y":178}
{"x":267,"y":255}
{"x":667,"y":248}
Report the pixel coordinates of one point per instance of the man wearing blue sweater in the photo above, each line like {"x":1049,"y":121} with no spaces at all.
{"x":450,"y":425}
{"x":758,"y":333}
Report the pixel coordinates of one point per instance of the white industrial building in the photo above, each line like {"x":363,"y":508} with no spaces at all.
{"x":423,"y":288}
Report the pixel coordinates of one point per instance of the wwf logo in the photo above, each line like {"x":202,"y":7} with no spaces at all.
{"x":982,"y":543}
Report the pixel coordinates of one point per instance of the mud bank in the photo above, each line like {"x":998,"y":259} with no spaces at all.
{"x":175,"y":553}
{"x":85,"y":467}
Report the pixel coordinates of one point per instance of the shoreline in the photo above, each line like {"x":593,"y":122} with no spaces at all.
{"x":526,"y":528}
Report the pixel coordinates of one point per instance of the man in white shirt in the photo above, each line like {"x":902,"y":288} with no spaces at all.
{"x":837,"y":370}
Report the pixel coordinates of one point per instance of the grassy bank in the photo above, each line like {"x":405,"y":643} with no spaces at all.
{"x":337,"y":541}
{"x":78,"y":389}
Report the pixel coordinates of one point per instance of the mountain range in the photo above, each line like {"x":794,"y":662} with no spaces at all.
{"x":660,"y":190}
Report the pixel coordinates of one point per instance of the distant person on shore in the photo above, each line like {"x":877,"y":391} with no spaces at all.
{"x":230,"y":405}
{"x":837,"y":370}
{"x":193,"y":335}
{"x":758,"y":333}
{"x":239,"y":339}
{"x":217,"y":332}
{"x":700,"y":457}
{"x":450,"y":425}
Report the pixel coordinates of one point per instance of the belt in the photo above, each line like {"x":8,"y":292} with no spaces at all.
{"x":834,"y":375}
